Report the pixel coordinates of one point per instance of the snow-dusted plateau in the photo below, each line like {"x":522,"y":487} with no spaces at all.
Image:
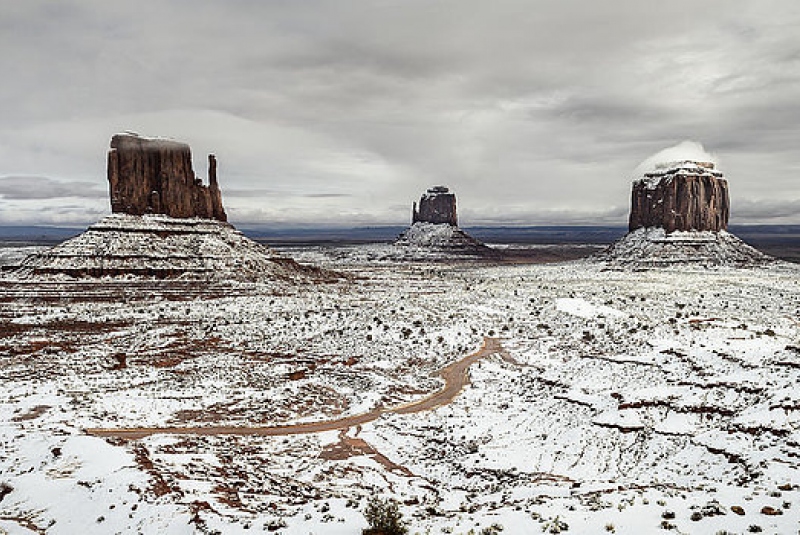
{"x":524,"y":398}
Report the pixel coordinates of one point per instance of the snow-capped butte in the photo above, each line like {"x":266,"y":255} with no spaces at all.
{"x":669,"y":170}
{"x":686,"y":151}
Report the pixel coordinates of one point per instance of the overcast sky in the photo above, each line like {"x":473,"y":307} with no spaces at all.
{"x":344,"y":112}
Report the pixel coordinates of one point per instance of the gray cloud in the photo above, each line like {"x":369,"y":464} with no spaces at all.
{"x":333,"y":111}
{"x":276,"y":193}
{"x":37,"y":187}
{"x":775,"y":211}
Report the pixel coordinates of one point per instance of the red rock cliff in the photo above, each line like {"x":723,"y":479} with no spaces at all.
{"x":681,"y":196}
{"x":155,"y":176}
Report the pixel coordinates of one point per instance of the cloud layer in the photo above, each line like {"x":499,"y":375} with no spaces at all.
{"x":326,"y":112}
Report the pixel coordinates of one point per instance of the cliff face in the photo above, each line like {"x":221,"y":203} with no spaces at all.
{"x":436,"y":206}
{"x":155,"y":176}
{"x":681,"y":196}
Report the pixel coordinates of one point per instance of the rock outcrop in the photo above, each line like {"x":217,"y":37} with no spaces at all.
{"x":437,"y":206}
{"x":155,"y":176}
{"x":683,"y":196}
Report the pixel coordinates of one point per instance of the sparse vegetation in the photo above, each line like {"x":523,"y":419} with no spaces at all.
{"x":384,"y":518}
{"x":5,"y":490}
{"x":555,"y":525}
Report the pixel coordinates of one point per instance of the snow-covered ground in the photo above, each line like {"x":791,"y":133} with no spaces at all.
{"x":11,"y":254}
{"x":623,"y":402}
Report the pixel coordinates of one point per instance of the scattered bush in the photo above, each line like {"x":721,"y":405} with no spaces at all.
{"x":5,"y":490}
{"x":555,"y":525}
{"x":384,"y":518}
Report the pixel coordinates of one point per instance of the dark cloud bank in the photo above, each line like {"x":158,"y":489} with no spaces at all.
{"x":342,"y":113}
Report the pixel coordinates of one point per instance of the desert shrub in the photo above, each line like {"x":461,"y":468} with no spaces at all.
{"x":5,"y":489}
{"x":384,"y":518}
{"x":555,"y":525}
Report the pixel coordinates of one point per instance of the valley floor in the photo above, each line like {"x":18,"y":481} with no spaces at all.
{"x":605,"y":401}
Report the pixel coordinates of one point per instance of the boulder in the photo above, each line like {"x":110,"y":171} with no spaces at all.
{"x":155,"y":176}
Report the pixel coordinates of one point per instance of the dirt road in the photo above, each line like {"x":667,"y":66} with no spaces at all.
{"x":455,"y":377}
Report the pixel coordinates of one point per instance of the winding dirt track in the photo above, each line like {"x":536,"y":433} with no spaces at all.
{"x":455,"y":377}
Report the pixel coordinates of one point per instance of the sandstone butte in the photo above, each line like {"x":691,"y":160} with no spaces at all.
{"x":682,"y":196}
{"x":437,"y":206}
{"x":155,"y":176}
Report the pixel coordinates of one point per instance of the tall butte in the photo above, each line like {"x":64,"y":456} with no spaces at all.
{"x":684,"y":195}
{"x":679,"y":215}
{"x":434,"y":225}
{"x":155,"y":176}
{"x":165,"y":225}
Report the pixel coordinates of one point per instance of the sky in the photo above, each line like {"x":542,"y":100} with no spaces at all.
{"x":342,"y":113}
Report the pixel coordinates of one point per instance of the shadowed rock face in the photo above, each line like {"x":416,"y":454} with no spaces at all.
{"x":436,"y":206}
{"x":155,"y":176}
{"x":681,"y":196}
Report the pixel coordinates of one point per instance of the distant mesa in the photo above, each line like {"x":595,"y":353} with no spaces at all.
{"x":155,"y":176}
{"x":434,"y":225}
{"x":679,"y":215}
{"x":165,"y":224}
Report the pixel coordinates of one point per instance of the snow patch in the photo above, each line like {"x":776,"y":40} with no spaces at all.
{"x":584,"y":309}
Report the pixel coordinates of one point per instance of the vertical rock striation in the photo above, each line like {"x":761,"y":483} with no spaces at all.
{"x":155,"y":176}
{"x":681,"y":196}
{"x":437,"y":206}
